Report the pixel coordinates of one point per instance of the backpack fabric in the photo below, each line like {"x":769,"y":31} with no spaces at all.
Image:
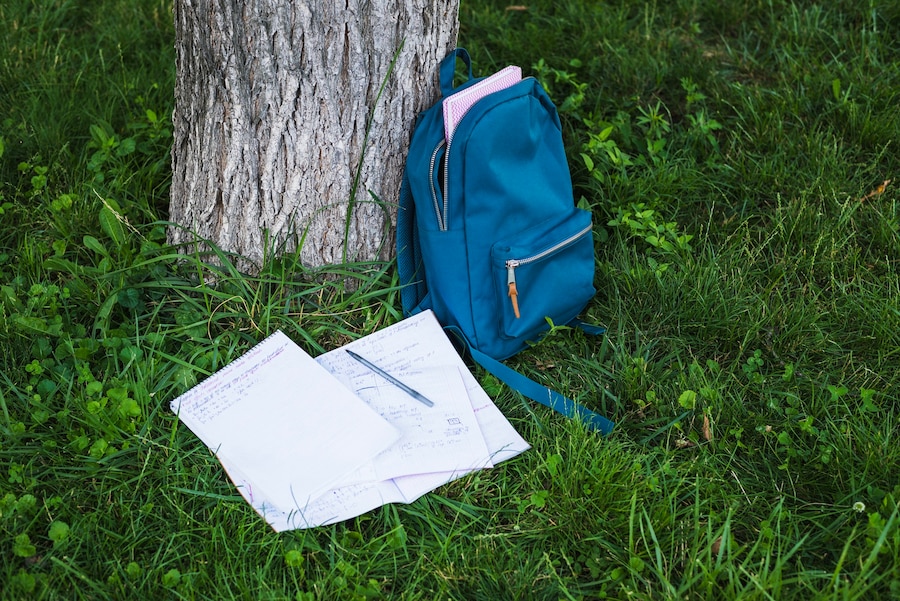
{"x":488,"y":235}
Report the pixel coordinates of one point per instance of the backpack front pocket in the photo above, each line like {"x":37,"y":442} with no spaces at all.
{"x":546,"y":271}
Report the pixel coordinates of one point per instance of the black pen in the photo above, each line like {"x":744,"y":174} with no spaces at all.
{"x":413,"y":393}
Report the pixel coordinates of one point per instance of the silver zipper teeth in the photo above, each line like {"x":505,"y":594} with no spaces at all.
{"x":552,"y":249}
{"x":434,"y":199}
{"x":446,"y":181}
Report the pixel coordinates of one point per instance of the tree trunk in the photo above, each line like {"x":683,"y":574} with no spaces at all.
{"x":272,"y":104}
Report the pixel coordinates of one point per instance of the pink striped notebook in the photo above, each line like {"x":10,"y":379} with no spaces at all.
{"x":457,"y":105}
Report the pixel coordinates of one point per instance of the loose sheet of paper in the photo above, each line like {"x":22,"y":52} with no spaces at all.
{"x":445,"y":437}
{"x":277,"y":415}
{"x":420,"y":341}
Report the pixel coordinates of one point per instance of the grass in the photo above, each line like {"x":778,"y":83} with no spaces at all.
{"x":735,"y":156}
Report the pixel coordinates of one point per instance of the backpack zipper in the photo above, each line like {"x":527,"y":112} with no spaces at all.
{"x":434,"y":198}
{"x":512,"y":264}
{"x":446,"y":180}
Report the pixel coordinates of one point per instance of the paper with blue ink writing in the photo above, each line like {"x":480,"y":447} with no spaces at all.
{"x":426,"y":446}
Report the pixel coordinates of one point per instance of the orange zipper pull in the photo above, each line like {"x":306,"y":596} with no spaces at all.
{"x":511,"y":284}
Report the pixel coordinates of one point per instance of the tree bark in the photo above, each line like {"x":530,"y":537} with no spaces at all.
{"x":292,"y":120}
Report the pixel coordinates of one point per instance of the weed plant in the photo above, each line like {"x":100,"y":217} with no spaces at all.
{"x":740,"y":161}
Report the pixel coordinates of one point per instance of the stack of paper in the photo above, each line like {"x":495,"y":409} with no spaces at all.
{"x":310,"y":442}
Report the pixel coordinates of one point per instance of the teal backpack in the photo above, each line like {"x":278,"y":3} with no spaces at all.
{"x":488,"y":235}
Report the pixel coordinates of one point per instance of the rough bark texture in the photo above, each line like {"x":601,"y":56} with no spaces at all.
{"x":272,"y":102}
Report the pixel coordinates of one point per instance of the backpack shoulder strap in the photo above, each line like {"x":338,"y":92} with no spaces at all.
{"x":537,"y":392}
{"x":542,"y":394}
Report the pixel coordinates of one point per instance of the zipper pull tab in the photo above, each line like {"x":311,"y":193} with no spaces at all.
{"x":511,"y":284}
